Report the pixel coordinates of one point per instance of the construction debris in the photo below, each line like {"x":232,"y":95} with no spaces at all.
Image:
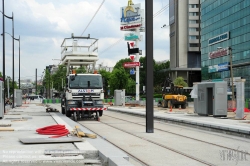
{"x":16,"y":120}
{"x":6,"y":129}
{"x":49,"y":109}
{"x":61,"y":153}
{"x":49,"y":140}
{"x":5,"y":125}
{"x":79,"y":133}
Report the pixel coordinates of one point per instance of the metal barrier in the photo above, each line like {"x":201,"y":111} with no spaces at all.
{"x":54,"y":101}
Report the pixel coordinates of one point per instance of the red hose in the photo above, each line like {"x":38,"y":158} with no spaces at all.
{"x":57,"y":130}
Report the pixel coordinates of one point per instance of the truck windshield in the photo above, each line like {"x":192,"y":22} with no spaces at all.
{"x":86,"y":81}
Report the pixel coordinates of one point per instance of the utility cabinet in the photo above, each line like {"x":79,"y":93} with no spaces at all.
{"x":18,"y":97}
{"x":212,"y":99}
{"x":119,"y":96}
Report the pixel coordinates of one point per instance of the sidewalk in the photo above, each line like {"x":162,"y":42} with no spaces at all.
{"x":187,"y":116}
{"x":23,"y":123}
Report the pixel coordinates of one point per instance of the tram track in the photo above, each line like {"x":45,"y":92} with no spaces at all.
{"x":210,"y":143}
{"x":118,"y":124}
{"x":148,"y":140}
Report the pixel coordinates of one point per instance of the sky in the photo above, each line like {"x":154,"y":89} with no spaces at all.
{"x":43,"y":24}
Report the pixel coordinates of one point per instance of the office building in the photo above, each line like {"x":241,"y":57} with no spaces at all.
{"x":185,"y":55}
{"x":225,"y":25}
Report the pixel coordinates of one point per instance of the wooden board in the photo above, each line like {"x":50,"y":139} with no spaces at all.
{"x":50,"y":140}
{"x":6,"y":129}
{"x":5,"y":125}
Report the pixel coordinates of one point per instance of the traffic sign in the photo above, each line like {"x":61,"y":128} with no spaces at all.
{"x":132,"y":57}
{"x":132,"y":71}
{"x":131,"y":64}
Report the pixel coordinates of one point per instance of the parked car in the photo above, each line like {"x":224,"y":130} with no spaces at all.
{"x":36,"y":97}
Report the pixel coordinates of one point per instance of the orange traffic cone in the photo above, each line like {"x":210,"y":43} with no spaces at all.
{"x":171,"y":108}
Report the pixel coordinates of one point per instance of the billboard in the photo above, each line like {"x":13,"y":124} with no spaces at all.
{"x":171,"y":11}
{"x":218,"y":53}
{"x":219,"y":38}
{"x":131,"y":15}
{"x":218,"y":68}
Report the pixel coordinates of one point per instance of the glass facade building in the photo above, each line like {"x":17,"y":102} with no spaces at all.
{"x":225,"y":24}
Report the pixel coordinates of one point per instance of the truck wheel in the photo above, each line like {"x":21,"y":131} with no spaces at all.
{"x":176,"y":105}
{"x":164,"y":104}
{"x":97,"y":116}
{"x":68,"y":113}
{"x":74,"y":116}
{"x":63,"y":110}
{"x":183,"y":106}
{"x":100,"y":113}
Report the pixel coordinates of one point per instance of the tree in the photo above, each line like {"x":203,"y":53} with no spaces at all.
{"x":119,"y":64}
{"x":180,"y":81}
{"x":81,"y":70}
{"x":118,"y":79}
{"x":106,"y":75}
{"x":59,"y":77}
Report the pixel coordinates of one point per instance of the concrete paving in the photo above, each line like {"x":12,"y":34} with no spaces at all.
{"x":29,"y":117}
{"x":182,"y":116}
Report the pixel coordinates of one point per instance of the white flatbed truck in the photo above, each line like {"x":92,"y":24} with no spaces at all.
{"x":83,"y":95}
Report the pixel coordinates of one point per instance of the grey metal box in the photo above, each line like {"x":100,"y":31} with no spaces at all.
{"x":18,"y":97}
{"x":119,"y":96}
{"x":212,"y":98}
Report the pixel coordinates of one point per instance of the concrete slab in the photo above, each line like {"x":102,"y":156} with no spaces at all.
{"x":118,"y":161}
{"x":90,"y":152}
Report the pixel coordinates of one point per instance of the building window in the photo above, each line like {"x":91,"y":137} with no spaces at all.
{"x":193,"y":14}
{"x":193,"y":21}
{"x":193,"y":37}
{"x":193,"y":29}
{"x":193,"y":6}
{"x":193,"y":45}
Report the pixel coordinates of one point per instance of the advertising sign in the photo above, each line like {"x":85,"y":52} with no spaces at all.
{"x":219,"y":38}
{"x":171,"y":11}
{"x":130,"y":14}
{"x":218,"y":53}
{"x":218,"y":68}
{"x":131,"y":64}
{"x":129,"y":27}
{"x":131,"y":17}
{"x":132,"y":36}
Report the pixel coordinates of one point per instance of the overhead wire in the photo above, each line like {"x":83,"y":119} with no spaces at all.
{"x":119,"y":40}
{"x":93,"y":17}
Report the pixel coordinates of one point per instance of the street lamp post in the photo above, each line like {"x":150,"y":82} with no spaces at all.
{"x":231,"y":72}
{"x":4,"y":48}
{"x":13,"y":38}
{"x":19,"y":63}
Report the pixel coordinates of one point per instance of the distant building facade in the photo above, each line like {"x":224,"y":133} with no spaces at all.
{"x":185,"y":55}
{"x":225,"y":24}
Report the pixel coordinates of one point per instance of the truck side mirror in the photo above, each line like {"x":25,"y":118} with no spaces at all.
{"x":67,"y":80}
{"x":103,"y":82}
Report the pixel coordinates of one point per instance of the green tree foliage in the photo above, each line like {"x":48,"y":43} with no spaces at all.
{"x":10,"y":85}
{"x":81,"y":70}
{"x":59,"y":77}
{"x":118,"y":79}
{"x":119,"y":64}
{"x":180,"y":81}
{"x":131,"y":86}
{"x":106,"y":76}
